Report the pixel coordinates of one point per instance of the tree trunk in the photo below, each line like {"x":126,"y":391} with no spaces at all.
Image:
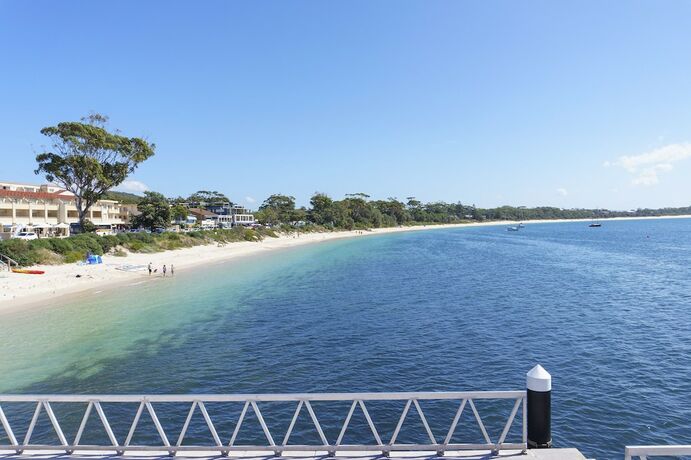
{"x":82,"y":212}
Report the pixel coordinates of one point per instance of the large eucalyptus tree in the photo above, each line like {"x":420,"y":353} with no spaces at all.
{"x":88,"y":160}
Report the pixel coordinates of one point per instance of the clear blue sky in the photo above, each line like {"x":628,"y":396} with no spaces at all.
{"x":572,"y":104}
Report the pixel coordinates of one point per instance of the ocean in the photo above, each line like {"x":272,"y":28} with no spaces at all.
{"x":607,"y":311}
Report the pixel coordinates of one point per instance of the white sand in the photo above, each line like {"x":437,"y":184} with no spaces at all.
{"x":22,"y":290}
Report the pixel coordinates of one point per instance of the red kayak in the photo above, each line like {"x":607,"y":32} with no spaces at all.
{"x":28,"y":272}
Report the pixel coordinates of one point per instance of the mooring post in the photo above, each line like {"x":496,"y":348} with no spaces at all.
{"x":539,"y":406}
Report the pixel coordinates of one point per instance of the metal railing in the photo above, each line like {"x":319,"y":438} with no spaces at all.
{"x":643,"y":452}
{"x":251,"y":402}
{"x":6,"y":262}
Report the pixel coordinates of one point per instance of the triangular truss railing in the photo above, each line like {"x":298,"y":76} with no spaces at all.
{"x":198,"y":403}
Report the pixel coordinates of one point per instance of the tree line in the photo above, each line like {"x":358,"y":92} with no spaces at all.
{"x":357,"y":211}
{"x":89,"y":160}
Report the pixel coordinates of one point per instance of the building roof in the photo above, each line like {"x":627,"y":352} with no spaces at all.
{"x":202,"y":212}
{"x":35,"y":195}
{"x":59,"y":195}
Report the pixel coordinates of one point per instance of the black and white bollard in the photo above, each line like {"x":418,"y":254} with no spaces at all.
{"x":539,"y":406}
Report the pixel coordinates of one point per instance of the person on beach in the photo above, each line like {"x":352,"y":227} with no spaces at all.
{"x":150,"y":269}
{"x":172,"y":270}
{"x":164,"y":270}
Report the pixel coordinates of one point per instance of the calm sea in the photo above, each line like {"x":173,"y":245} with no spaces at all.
{"x":606,"y":311}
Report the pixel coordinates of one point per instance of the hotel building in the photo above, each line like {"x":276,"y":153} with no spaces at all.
{"x":49,"y":210}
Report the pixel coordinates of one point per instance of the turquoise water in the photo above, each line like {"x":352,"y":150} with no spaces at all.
{"x":607,"y":311}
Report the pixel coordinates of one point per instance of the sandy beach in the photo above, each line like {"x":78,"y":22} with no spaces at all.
{"x":22,"y":291}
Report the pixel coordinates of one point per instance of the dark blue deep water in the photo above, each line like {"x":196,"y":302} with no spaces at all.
{"x":606,"y":311}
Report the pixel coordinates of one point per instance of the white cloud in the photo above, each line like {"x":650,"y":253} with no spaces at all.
{"x":646,"y":166}
{"x":249,"y":199}
{"x":562,"y":191}
{"x":132,"y":186}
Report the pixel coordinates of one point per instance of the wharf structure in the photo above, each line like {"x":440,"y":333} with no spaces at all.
{"x":525,"y":432}
{"x":529,"y":416}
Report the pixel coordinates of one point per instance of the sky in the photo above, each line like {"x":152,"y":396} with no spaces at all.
{"x":568,"y":104}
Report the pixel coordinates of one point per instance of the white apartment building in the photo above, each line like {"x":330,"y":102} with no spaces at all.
{"x":49,"y":210}
{"x":242,"y":216}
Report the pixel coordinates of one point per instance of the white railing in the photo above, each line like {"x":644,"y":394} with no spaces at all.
{"x":358,"y":401}
{"x":643,"y":452}
{"x":6,"y":262}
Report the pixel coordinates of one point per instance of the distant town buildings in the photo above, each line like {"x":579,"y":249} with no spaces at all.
{"x":49,"y":210}
{"x":222,"y":215}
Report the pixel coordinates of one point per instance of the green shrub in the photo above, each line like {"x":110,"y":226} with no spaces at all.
{"x":251,"y":235}
{"x":45,"y":256}
{"x":172,"y":236}
{"x":19,"y":250}
{"x":42,"y":243}
{"x":267,"y":232}
{"x":75,"y":248}
{"x":87,"y":242}
{"x":135,"y":245}
{"x":143,"y":237}
{"x":108,"y":242}
{"x":61,"y":245}
{"x":74,"y":256}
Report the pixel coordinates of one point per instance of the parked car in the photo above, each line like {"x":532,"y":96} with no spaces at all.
{"x":104,"y":231}
{"x":26,"y":236}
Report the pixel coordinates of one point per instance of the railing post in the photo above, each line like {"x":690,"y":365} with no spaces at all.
{"x":539,"y":399}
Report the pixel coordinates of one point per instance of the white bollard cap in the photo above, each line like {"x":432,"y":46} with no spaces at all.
{"x":538,"y":379}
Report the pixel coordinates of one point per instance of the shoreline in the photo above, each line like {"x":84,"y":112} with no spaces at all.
{"x":62,"y":283}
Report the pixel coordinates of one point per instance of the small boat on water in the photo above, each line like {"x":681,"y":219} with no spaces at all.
{"x":521,"y":225}
{"x":513,"y":228}
{"x":28,"y":272}
{"x":595,"y":225}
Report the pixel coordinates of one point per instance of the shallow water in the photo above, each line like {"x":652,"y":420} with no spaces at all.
{"x":607,"y":311}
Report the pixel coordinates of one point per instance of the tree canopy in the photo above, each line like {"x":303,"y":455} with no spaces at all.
{"x":209,"y":198}
{"x":280,"y":209}
{"x":178,"y":213}
{"x":88,"y":160}
{"x":154,"y":212}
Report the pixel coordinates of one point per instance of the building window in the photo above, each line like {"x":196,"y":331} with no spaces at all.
{"x":22,"y":213}
{"x":5,"y":213}
{"x":37,"y":213}
{"x":52,"y":214}
{"x":73,"y":214}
